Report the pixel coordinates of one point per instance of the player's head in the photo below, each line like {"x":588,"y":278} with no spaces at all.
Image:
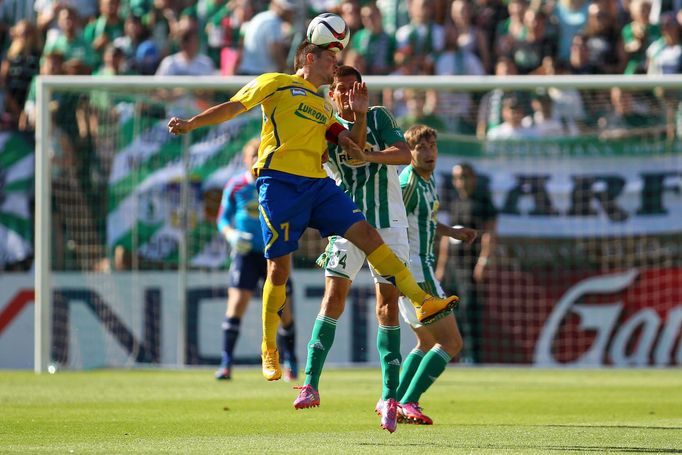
{"x":422,"y":142}
{"x":250,"y":152}
{"x":464,"y":178}
{"x":340,"y":88}
{"x":318,"y":63}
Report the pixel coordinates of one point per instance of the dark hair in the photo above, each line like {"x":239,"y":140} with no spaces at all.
{"x":303,"y":49}
{"x":345,"y":70}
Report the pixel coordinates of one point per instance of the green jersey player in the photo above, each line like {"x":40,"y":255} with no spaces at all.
{"x":437,"y":343}
{"x":374,"y":186}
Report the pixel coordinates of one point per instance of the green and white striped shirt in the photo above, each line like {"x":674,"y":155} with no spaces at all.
{"x":421,"y":203}
{"x":375,"y":188}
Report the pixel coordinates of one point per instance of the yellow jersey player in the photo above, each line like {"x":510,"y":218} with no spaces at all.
{"x":294,"y":191}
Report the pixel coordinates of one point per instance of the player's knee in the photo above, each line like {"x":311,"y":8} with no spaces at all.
{"x":453,"y":345}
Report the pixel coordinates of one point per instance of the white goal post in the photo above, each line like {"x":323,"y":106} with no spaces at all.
{"x":47,"y":86}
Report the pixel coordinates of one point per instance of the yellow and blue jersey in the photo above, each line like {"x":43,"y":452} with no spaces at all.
{"x":297,"y":122}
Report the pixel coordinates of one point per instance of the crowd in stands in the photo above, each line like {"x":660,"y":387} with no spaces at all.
{"x":400,"y":37}
{"x":389,"y":37}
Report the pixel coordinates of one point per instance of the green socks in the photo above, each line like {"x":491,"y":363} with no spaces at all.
{"x":430,"y":368}
{"x":388,"y":345}
{"x":321,"y":341}
{"x":410,"y":366}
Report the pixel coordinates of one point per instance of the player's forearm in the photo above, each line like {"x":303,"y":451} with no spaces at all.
{"x":217,"y":114}
{"x":359,"y":131}
{"x":443,"y":249}
{"x":488,"y":240}
{"x":446,"y":231}
{"x":396,"y":154}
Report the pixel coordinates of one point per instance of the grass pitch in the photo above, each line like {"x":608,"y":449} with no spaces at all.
{"x":488,"y":410}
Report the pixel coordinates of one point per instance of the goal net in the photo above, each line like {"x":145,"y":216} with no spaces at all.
{"x":573,"y":183}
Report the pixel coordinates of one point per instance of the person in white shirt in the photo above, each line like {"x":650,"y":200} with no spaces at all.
{"x":512,"y":127}
{"x":187,"y":62}
{"x":265,"y":44}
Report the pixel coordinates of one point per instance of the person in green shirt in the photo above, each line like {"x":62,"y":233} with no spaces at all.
{"x":70,"y":43}
{"x":105,"y":29}
{"x":373,"y":43}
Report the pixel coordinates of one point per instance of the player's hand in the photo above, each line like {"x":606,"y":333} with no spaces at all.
{"x":348,"y":145}
{"x":325,"y":156}
{"x":241,"y":242}
{"x":358,"y":98}
{"x":466,"y":235}
{"x":178,"y":126}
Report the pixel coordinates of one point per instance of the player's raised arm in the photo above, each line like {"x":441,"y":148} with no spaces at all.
{"x":211,"y":116}
{"x":359,"y":103}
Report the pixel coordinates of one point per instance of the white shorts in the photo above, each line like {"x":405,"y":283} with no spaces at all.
{"x":428,"y":282}
{"x":343,"y":259}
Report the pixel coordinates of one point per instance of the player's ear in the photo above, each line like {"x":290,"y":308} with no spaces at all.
{"x":309,"y":58}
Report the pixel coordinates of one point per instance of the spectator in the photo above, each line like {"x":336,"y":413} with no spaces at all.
{"x":467,"y":201}
{"x":634,"y":114}
{"x":69,"y":42}
{"x":188,"y":61}
{"x":486,"y":15}
{"x":415,"y":102}
{"x":469,"y":37}
{"x":579,"y":57}
{"x":456,"y":107}
{"x":420,"y":40}
{"x":20,"y":65}
{"x":543,"y":120}
{"x":349,"y":10}
{"x":373,"y":43}
{"x":51,"y":64}
{"x":490,"y":106}
{"x":512,"y":127}
{"x":393,"y":14}
{"x":511,"y":29}
{"x":638,"y":35}
{"x":105,"y":29}
{"x":48,"y":10}
{"x":135,"y":35}
{"x":665,"y":54}
{"x":604,"y":44}
{"x":265,"y":43}
{"x":161,"y":21}
{"x":571,"y":17}
{"x":213,"y":36}
{"x":529,"y":52}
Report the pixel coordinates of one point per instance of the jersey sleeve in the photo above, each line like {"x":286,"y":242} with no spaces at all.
{"x":258,"y":90}
{"x":408,"y":185}
{"x":387,"y":127}
{"x":228,"y":208}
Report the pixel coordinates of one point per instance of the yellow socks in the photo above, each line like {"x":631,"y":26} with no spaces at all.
{"x":274,"y":297}
{"x":387,"y":264}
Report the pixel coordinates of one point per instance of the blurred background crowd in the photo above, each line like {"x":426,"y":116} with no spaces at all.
{"x":250,"y":37}
{"x":389,"y":37}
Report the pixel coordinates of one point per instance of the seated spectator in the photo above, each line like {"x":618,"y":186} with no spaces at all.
{"x":634,"y":114}
{"x":543,"y":120}
{"x":419,"y":41}
{"x":70,"y":43}
{"x":105,"y":29}
{"x":490,"y":106}
{"x":415,"y":102}
{"x":529,"y":52}
{"x":373,"y":43}
{"x":265,"y":42}
{"x":48,"y":10}
{"x":469,"y":37}
{"x":20,"y":65}
{"x":571,"y":17}
{"x":665,"y":54}
{"x":487,"y":14}
{"x":187,"y":62}
{"x":604,"y":44}
{"x":512,"y":127}
{"x":579,"y":58}
{"x":638,"y":35}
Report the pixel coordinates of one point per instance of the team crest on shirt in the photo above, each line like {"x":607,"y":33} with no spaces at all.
{"x":298,"y":92}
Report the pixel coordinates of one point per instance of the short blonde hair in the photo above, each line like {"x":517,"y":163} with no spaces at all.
{"x":418,"y":133}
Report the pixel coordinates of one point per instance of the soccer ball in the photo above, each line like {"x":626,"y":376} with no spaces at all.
{"x":329,"y":31}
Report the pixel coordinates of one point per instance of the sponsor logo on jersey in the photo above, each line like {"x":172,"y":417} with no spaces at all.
{"x":298,"y":92}
{"x":306,"y":112}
